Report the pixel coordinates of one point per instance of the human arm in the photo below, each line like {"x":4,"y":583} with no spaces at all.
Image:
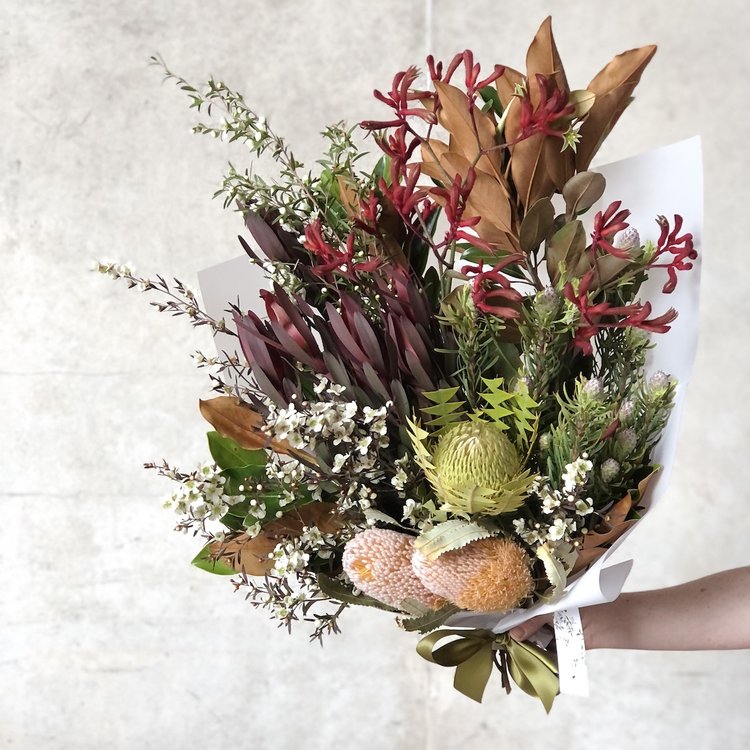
{"x":706,"y":614}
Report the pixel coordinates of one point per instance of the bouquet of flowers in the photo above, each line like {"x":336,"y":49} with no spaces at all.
{"x":446,"y":407}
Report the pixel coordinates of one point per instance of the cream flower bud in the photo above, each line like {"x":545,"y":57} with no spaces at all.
{"x":610,"y":470}
{"x":628,"y":239}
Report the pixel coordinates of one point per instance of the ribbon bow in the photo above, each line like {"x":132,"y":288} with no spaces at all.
{"x":473,"y":656}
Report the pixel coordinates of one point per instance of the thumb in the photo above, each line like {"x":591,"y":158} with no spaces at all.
{"x":525,"y":630}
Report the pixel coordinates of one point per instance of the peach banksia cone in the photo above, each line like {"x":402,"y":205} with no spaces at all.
{"x":484,"y":576}
{"x":378,"y":562}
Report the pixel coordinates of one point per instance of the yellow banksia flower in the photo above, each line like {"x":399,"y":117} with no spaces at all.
{"x":474,"y":468}
{"x":378,"y":562}
{"x":487,"y":575}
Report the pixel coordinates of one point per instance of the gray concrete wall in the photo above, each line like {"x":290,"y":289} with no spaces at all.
{"x":108,"y":638}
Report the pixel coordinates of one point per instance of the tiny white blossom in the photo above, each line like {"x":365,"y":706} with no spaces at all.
{"x":338,"y":462}
{"x":557,"y":530}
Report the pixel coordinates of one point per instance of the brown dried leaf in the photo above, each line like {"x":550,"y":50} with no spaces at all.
{"x":506,"y":85}
{"x":433,"y":152}
{"x":583,"y":100}
{"x":471,"y":129}
{"x":234,"y":419}
{"x":586,"y":557}
{"x":529,"y":170}
{"x":613,"y":87}
{"x":561,"y":165}
{"x":250,"y":554}
{"x":348,"y":197}
{"x":543,"y":57}
{"x":595,"y":543}
{"x":487,"y":200}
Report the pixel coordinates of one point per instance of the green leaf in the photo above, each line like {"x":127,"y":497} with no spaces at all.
{"x":449,"y":535}
{"x":229,"y":455}
{"x":472,"y":254}
{"x":204,"y":561}
{"x":345,"y":594}
{"x":429,"y":621}
{"x":419,"y":249}
{"x":234,"y":518}
{"x":582,"y":191}
{"x":432,"y":287}
{"x":382,"y":170}
{"x":536,"y":225}
{"x":445,"y":412}
{"x":565,"y":248}
{"x":489,"y":95}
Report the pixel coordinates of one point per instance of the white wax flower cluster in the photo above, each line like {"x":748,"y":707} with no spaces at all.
{"x":201,"y":495}
{"x":566,"y":508}
{"x":352,"y":435}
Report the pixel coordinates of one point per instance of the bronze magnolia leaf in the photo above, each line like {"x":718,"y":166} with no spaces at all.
{"x":432,"y":153}
{"x":488,"y":198}
{"x":234,"y":419}
{"x":615,"y":525}
{"x":530,"y":172}
{"x":348,"y":197}
{"x":506,"y":85}
{"x":582,"y":191}
{"x":566,"y":245}
{"x":250,"y":555}
{"x":536,"y":225}
{"x":554,"y":166}
{"x":471,"y":129}
{"x":583,"y":100}
{"x":595,"y":543}
{"x":613,"y":87}
{"x":543,"y":57}
{"x":561,"y":165}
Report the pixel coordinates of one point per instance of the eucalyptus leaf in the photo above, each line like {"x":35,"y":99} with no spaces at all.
{"x":565,"y":247}
{"x":536,"y":225}
{"x":582,"y":191}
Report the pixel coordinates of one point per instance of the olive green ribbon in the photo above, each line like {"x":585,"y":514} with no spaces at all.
{"x":473,"y":654}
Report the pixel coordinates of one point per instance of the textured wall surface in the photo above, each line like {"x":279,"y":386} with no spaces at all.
{"x":108,"y":638}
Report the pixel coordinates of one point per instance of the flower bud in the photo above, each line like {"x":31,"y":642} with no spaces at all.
{"x":594,"y":389}
{"x":544,"y":441}
{"x":658,"y":383}
{"x":610,"y":470}
{"x":625,"y":413}
{"x":626,"y":441}
{"x":547,"y":302}
{"x":628,"y":239}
